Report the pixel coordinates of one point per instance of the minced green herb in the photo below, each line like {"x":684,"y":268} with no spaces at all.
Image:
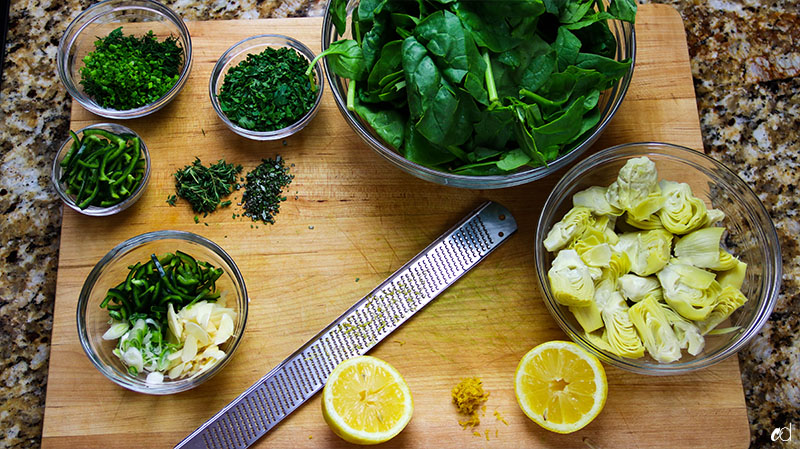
{"x":262,"y":196}
{"x":126,"y":72}
{"x":205,"y":187}
{"x":268,"y":91}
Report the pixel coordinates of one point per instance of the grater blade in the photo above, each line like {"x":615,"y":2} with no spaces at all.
{"x":296,"y":379}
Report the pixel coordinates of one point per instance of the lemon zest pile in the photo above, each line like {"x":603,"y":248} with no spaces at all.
{"x":468,"y":396}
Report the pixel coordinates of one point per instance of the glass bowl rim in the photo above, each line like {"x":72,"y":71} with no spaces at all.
{"x":91,"y":15}
{"x":216,"y":78}
{"x":121,"y":249}
{"x":755,"y":210}
{"x":115,"y":208}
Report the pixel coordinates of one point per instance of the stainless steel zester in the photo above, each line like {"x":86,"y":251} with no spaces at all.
{"x":296,"y":379}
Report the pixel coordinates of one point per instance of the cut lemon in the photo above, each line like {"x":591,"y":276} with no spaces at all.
{"x":560,"y":386}
{"x":366,"y":401}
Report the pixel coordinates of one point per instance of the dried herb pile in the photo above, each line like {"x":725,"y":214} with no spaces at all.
{"x":264,"y":190}
{"x":268,"y":91}
{"x":205,"y":187}
{"x":127,"y":72}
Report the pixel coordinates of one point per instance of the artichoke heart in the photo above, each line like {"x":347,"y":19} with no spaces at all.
{"x":572,"y":225}
{"x":688,"y":334}
{"x":636,"y":288}
{"x":690,"y":291}
{"x":733,"y":277}
{"x":682,"y":211}
{"x":588,"y":317}
{"x":619,"y":331}
{"x":594,"y":198}
{"x":648,"y":251}
{"x":618,"y":265}
{"x":700,"y":248}
{"x":621,"y":334}
{"x":728,"y":300}
{"x":655,"y":330}
{"x":651,"y":221}
{"x":726,"y":262}
{"x":570,"y":280}
{"x":601,"y":230}
{"x":632,"y":190}
{"x":593,"y":252}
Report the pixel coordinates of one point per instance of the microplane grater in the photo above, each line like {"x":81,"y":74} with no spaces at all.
{"x":296,"y":379}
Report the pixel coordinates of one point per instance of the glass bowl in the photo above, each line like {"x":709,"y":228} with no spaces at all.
{"x":254,"y":45}
{"x":610,"y":101}
{"x":750,"y":236}
{"x":93,"y":321}
{"x":98,"y":211}
{"x":99,"y":20}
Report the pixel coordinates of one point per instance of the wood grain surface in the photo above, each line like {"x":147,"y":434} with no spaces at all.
{"x":351,"y":219}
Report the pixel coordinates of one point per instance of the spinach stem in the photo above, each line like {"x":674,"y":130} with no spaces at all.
{"x":490,"y":85}
{"x":351,"y":96}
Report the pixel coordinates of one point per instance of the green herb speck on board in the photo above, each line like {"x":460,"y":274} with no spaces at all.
{"x":171,"y":200}
{"x":358,"y":279}
{"x":196,"y":219}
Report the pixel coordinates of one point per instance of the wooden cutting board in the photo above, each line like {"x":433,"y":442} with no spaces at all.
{"x":351,"y":220}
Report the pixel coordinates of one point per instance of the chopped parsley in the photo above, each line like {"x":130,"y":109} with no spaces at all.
{"x":268,"y":91}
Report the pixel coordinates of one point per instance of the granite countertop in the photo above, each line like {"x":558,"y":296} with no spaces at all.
{"x":746,"y":67}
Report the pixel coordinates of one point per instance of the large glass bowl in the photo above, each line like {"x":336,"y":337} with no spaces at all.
{"x":136,"y":17}
{"x":750,"y":236}
{"x":609,"y":102}
{"x":255,"y":45}
{"x":112,"y":269}
{"x":98,"y":211}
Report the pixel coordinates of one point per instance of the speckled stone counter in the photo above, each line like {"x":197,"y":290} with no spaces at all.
{"x":746,"y":66}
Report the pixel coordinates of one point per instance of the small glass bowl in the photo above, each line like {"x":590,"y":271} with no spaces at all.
{"x":99,"y":20}
{"x":610,"y":101}
{"x":112,"y":269}
{"x":254,"y":45}
{"x":97,"y":211}
{"x":750,"y":236}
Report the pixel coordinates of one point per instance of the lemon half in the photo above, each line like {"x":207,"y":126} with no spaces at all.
{"x":560,"y":386}
{"x":366,"y":401}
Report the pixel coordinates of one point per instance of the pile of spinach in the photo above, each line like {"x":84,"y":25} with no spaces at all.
{"x":479,"y":87}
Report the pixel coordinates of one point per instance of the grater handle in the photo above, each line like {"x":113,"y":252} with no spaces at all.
{"x":287,"y":386}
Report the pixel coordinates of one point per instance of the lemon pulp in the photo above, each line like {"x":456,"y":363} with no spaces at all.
{"x":560,"y":386}
{"x":366,"y":401}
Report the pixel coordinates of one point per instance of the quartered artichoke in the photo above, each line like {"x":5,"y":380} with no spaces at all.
{"x":688,"y":334}
{"x":691,"y":291}
{"x":655,"y":330}
{"x":636,"y":288}
{"x":572,"y":225}
{"x":636,"y":189}
{"x":728,"y":300}
{"x":733,"y":277}
{"x":588,"y":317}
{"x":619,"y":330}
{"x":648,"y":251}
{"x":594,"y":198}
{"x":570,"y":280}
{"x":700,"y":248}
{"x":682,"y":212}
